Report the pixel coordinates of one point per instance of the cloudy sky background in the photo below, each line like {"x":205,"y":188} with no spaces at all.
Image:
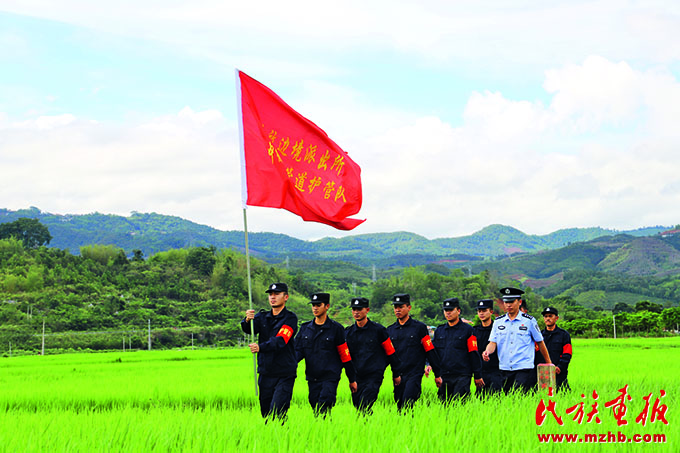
{"x":540,"y":115}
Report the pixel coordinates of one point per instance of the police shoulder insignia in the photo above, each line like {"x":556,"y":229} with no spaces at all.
{"x":502,"y":316}
{"x":527,"y":316}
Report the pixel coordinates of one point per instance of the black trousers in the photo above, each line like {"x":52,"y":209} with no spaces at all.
{"x":562,"y":382}
{"x":522,"y":380}
{"x":322,"y":395}
{"x":275,"y":395}
{"x":452,"y":388}
{"x":408,"y":391}
{"x":493,"y":384}
{"x":366,"y":394}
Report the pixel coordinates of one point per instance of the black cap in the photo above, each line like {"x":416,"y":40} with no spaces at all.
{"x":450,"y":303}
{"x":484,"y":303}
{"x":359,"y":302}
{"x":401,"y":299}
{"x":550,"y":311}
{"x":277,"y":288}
{"x":320,"y":298}
{"x":510,"y":294}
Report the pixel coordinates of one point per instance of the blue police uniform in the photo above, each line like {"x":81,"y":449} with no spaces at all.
{"x":371,"y":350}
{"x":326,"y":353}
{"x":515,"y":340}
{"x":276,"y":361}
{"x":412,"y":342}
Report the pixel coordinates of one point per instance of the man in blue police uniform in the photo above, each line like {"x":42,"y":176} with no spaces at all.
{"x":514,"y":334}
{"x":456,"y":346}
{"x":371,"y":350}
{"x":321,"y":342}
{"x":412,"y":342}
{"x":558,"y":343}
{"x":275,"y":349}
{"x":493,"y":383}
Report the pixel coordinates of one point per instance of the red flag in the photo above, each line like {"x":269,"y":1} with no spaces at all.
{"x":288,"y":162}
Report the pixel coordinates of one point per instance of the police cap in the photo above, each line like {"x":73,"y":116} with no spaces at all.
{"x":320,"y":298}
{"x":509,"y":294}
{"x":451,"y":303}
{"x":550,"y":311}
{"x":359,"y":302}
{"x":401,"y":299}
{"x":484,"y":303}
{"x":277,"y":288}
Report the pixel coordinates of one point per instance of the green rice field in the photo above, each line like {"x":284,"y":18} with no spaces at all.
{"x":204,"y":400}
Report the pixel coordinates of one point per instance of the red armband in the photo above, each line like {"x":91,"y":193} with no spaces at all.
{"x":427,"y":343}
{"x":343,"y":350}
{"x":388,"y":347}
{"x":566,"y":349}
{"x":472,"y":343}
{"x":285,"y":332}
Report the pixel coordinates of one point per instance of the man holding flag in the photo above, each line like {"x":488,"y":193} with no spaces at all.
{"x":275,"y":349}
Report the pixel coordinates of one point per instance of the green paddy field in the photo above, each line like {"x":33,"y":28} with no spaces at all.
{"x":204,"y":400}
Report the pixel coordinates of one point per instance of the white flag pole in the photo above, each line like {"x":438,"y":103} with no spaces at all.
{"x":244,"y":199}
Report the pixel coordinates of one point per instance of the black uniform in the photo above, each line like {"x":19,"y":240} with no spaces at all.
{"x":558,"y":343}
{"x":414,"y":346}
{"x":325,"y":352}
{"x":371,"y":350}
{"x":491,"y":373}
{"x":276,"y":362}
{"x":456,"y":347}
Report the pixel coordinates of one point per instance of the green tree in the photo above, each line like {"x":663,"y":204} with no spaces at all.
{"x":30,"y":231}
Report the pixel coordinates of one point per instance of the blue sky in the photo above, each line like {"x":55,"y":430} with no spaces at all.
{"x":540,"y":115}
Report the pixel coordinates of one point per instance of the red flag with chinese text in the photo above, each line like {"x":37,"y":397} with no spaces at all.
{"x":288,"y":162}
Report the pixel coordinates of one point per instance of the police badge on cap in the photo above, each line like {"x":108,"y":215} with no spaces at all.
{"x":320,"y":298}
{"x":277,"y":288}
{"x":359,"y":302}
{"x":484,"y":303}
{"x":401,"y":299}
{"x":451,"y":303}
{"x":550,"y":311}
{"x":509,"y":294}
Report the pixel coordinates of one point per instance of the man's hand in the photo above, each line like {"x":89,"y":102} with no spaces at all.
{"x":438,"y":381}
{"x":557,"y":370}
{"x":397,"y":381}
{"x":479,"y":383}
{"x":353,"y":387}
{"x":485,"y":356}
{"x":250,"y":314}
{"x":427,"y":371}
{"x":254,"y":348}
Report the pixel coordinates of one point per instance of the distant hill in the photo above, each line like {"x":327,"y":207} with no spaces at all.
{"x":152,"y":233}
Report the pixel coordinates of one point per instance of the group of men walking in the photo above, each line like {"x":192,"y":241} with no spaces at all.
{"x":498,"y":355}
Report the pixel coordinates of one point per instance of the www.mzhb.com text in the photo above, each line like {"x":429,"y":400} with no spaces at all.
{"x":605,"y":438}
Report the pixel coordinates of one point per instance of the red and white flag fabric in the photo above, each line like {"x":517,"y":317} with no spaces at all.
{"x":288,"y":162}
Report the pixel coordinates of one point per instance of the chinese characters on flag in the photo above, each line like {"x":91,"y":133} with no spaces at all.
{"x":290,"y":163}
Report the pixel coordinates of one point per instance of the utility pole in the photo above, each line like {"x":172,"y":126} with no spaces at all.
{"x":43,"y":339}
{"x":149,"y":335}
{"x":614,"y":318}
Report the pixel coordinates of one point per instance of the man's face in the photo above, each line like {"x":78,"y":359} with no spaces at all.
{"x":550,"y":319}
{"x":484,"y":314}
{"x":359,"y":314}
{"x":401,"y":311}
{"x":277,"y":299}
{"x":512,"y":306}
{"x":319,"y":309}
{"x":451,"y":314}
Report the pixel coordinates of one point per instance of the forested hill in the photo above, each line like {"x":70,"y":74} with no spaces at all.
{"x":152,"y":233}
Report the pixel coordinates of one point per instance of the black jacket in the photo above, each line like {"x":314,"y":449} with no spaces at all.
{"x":483,"y":333}
{"x":558,"y":343}
{"x":324,"y":350}
{"x":277,"y":345}
{"x":457,"y":350}
{"x":371,"y":350}
{"x":412,"y":343}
